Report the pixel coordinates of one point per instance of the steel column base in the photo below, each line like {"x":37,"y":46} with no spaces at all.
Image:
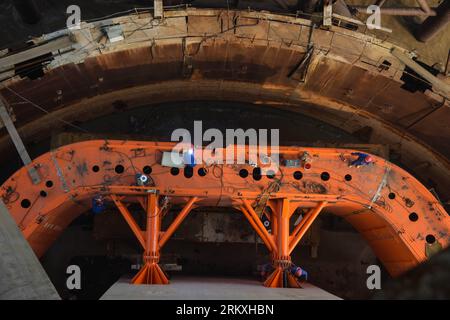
{"x":281,"y":279}
{"x":151,"y":273}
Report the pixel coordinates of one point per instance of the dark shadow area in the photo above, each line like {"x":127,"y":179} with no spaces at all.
{"x":430,"y":280}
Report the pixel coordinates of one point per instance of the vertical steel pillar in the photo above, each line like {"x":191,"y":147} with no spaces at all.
{"x":151,"y":272}
{"x":152,"y":239}
{"x":281,"y":277}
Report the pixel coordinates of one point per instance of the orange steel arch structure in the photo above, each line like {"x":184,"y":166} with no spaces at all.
{"x":400,"y":219}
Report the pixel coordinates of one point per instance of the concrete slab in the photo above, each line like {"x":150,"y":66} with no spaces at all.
{"x":21,"y":274}
{"x":199,"y":288}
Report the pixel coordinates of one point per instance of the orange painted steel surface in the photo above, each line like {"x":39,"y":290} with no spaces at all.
{"x":399,"y":218}
{"x":151,"y":273}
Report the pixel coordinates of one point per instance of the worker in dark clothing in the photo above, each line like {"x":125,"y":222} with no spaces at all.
{"x":299,"y":273}
{"x":98,"y":204}
{"x":363,"y":159}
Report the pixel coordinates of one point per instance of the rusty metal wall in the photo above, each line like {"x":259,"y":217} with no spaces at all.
{"x":352,"y":81}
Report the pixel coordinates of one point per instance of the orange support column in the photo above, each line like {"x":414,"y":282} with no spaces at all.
{"x":281,"y":277}
{"x":151,"y":272}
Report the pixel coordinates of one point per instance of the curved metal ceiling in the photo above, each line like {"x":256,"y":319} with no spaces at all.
{"x":349,"y":79}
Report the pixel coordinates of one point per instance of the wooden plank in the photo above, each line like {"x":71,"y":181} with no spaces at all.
{"x":18,"y":143}
{"x":13,"y":59}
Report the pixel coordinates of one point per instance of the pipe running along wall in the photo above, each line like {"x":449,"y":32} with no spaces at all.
{"x":400,"y":219}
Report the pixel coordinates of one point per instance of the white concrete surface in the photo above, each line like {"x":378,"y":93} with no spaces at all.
{"x":21,"y":274}
{"x":198,"y":288}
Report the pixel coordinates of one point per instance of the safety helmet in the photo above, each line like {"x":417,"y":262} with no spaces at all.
{"x":298,"y":272}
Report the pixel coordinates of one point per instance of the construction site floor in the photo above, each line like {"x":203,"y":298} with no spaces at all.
{"x":199,"y":288}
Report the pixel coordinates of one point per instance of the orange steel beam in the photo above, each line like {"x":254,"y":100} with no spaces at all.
{"x":176,"y":223}
{"x":211,"y":194}
{"x":200,"y":192}
{"x":365,"y":197}
{"x":130,"y":220}
{"x":304,"y":225}
{"x":299,"y":226}
{"x":143,"y":202}
{"x":257,"y":221}
{"x":271,"y":205}
{"x":270,"y":245}
{"x":274,"y":222}
{"x":153,"y":227}
{"x":283,"y":229}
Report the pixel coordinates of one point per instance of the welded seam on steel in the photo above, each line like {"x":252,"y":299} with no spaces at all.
{"x":60,"y":173}
{"x":382,"y":184}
